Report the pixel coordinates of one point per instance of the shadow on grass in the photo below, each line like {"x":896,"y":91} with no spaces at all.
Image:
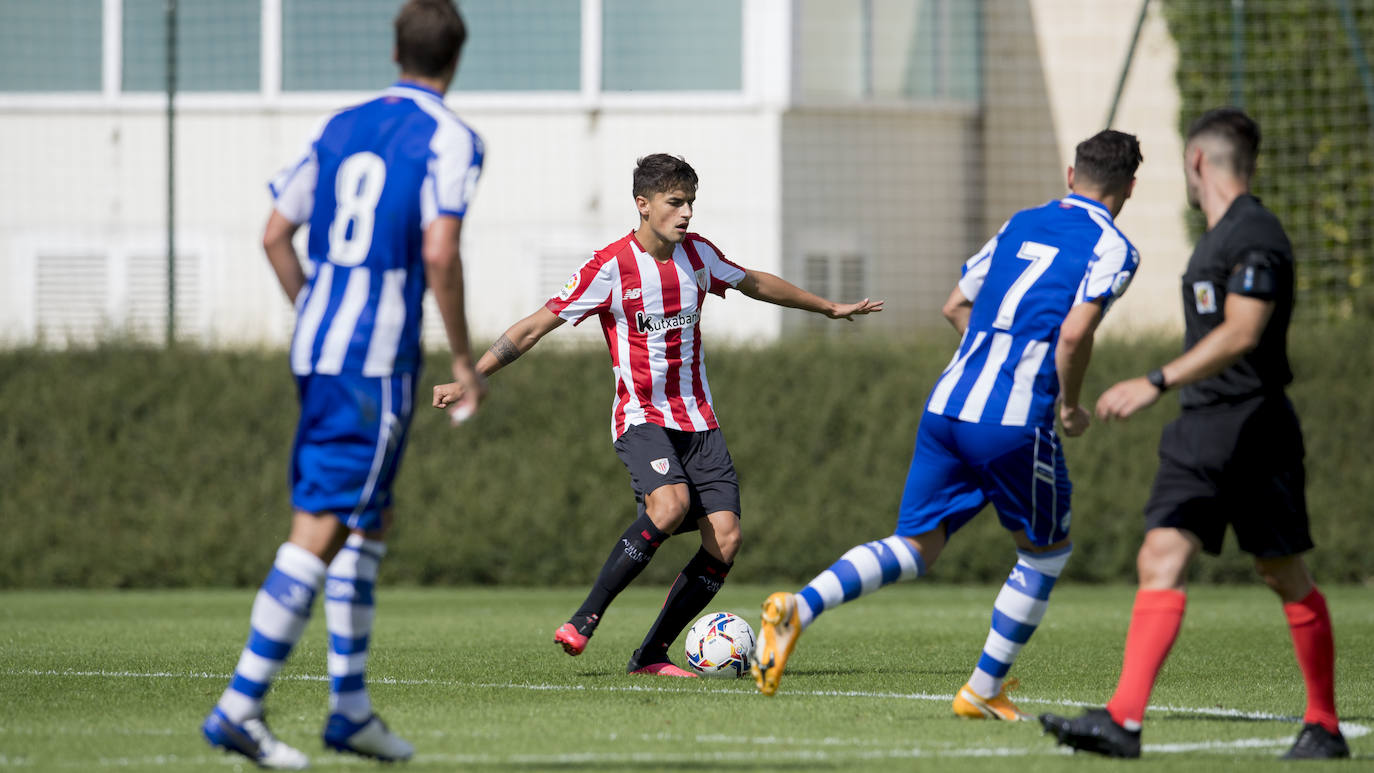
{"x":1191,"y":716}
{"x":868,"y":671}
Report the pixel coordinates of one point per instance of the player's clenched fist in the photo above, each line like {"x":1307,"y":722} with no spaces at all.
{"x":461,"y":401}
{"x":447,"y":394}
{"x":1075,"y":420}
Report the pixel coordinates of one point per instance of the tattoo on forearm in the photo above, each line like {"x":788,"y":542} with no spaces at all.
{"x":504,"y":350}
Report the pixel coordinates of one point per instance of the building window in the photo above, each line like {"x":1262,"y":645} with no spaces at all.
{"x":887,"y":50}
{"x":330,"y":46}
{"x":50,"y":45}
{"x":512,"y":45}
{"x":218,"y":46}
{"x":521,"y":45}
{"x":659,"y":45}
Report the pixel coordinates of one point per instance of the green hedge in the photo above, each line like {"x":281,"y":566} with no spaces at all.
{"x":133,"y":467}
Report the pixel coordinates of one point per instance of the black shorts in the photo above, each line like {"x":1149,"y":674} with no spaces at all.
{"x":1239,"y":465}
{"x":658,"y":456}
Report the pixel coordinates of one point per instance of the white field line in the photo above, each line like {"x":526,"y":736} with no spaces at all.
{"x":830,"y":749}
{"x":651,"y":758}
{"x":641,"y":759}
{"x":1349,"y":728}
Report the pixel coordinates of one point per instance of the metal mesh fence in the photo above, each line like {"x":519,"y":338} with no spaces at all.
{"x":1301,"y":68}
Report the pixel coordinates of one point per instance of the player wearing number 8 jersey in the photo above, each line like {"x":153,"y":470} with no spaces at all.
{"x":384,"y":187}
{"x":1027,"y":307}
{"x":647,"y":289}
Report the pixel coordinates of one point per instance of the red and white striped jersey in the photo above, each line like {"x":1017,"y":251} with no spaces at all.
{"x":650,"y":313}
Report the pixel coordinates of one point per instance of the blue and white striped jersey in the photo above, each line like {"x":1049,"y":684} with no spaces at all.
{"x":1023,"y":283}
{"x":373,"y":177}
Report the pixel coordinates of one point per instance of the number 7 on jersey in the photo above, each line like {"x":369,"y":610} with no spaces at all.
{"x":1040,"y":256}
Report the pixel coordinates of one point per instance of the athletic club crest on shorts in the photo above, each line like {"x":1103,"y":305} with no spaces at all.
{"x":1205,"y":297}
{"x":660,"y":466}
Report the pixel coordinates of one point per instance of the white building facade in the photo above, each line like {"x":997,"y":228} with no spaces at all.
{"x":856,"y":147}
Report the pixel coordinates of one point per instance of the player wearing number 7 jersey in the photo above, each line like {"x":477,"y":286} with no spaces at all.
{"x":384,"y":187}
{"x":1027,"y":307}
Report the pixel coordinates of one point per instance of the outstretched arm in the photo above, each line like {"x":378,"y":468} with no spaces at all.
{"x":763,"y":286}
{"x":518,"y":339}
{"x":1071,"y":359}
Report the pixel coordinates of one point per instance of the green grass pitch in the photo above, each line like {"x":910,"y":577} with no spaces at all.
{"x":120,"y":681}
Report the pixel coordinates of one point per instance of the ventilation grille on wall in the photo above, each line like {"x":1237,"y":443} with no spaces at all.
{"x":72,"y":298}
{"x":554,"y":270}
{"x":145,"y":299}
{"x":842,"y":278}
{"x":88,"y":298}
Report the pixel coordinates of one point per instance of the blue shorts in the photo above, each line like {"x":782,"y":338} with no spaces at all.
{"x":959,"y":467}
{"x":349,"y":442}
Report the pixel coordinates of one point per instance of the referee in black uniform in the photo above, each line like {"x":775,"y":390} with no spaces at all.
{"x":1233,"y":457}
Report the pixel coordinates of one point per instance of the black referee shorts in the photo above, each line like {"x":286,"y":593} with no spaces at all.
{"x":658,"y":456}
{"x":1235,"y":464}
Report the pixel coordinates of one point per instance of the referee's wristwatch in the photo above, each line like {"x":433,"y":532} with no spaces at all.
{"x":1156,"y":379}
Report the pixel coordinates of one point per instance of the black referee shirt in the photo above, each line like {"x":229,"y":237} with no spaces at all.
{"x":1247,"y":253}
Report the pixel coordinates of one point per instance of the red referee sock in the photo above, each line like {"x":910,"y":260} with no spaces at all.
{"x":1310,"y":623}
{"x":1155,"y":621}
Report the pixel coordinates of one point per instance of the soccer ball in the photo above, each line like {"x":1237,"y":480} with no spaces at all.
{"x":720,"y":644}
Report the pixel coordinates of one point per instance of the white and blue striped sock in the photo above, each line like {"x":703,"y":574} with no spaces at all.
{"x":348,"y":611}
{"x":280,"y":612}
{"x":865,"y":568}
{"x":1016,"y":614}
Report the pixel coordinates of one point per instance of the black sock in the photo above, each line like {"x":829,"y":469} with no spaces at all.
{"x":694,"y":588}
{"x":628,"y":558}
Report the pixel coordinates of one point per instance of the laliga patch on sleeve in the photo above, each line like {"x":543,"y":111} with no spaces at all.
{"x":1121,"y":282}
{"x":570,"y":286}
{"x":1205,"y":297}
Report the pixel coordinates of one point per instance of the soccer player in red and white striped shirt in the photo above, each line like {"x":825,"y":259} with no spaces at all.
{"x":647,"y":290}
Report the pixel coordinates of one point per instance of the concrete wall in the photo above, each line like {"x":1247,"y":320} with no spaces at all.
{"x":556,"y":186}
{"x":913,"y":188}
{"x":893,"y":186}
{"x":1049,"y":90}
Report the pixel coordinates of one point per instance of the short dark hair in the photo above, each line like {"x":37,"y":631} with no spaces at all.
{"x":429,"y":36}
{"x":1237,"y":130}
{"x":1108,"y":159}
{"x":660,"y":173}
